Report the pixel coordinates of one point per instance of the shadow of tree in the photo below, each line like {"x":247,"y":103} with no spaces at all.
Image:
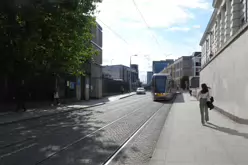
{"x":40,"y":126}
{"x":68,"y":138}
{"x":92,"y":151}
{"x":79,"y":137}
{"x":34,"y":141}
{"x":48,"y":109}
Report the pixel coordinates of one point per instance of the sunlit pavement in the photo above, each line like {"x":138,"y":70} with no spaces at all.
{"x":184,"y":141}
{"x":88,"y":136}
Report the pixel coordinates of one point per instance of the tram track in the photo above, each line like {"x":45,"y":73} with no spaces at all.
{"x":125,"y":143}
{"x":34,"y":139}
{"x":68,"y":107}
{"x":116,"y":150}
{"x":138,"y":118}
{"x":49,"y":120}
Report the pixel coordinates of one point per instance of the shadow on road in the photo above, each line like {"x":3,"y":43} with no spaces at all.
{"x":44,"y":107}
{"x":70,"y":139}
{"x":164,"y":101}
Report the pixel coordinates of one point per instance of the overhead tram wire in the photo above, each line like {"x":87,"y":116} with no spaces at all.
{"x":147,"y":25}
{"x":119,"y":36}
{"x":115,"y":33}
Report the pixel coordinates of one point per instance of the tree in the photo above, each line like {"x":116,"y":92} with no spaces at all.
{"x":49,"y":36}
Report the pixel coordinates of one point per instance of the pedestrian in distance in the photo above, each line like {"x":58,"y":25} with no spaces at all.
{"x":56,"y":97}
{"x":190,"y":91}
{"x":203,"y":97}
{"x":122,"y":89}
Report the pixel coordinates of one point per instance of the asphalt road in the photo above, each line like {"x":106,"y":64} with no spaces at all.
{"x":124,"y":131}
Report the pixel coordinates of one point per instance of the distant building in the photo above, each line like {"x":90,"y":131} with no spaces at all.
{"x":123,"y":73}
{"x":170,"y":70}
{"x":136,"y":68}
{"x":194,"y":80}
{"x":189,"y":66}
{"x":158,"y":66}
{"x":182,"y":68}
{"x":114,"y":72}
{"x":149,"y":77}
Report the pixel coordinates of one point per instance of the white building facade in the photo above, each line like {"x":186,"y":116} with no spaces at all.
{"x":227,"y":18}
{"x":225,"y":55}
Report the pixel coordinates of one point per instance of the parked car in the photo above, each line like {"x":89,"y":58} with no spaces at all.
{"x":140,"y":91}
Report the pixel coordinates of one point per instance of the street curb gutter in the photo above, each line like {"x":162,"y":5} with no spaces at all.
{"x":58,"y":112}
{"x":127,"y":96}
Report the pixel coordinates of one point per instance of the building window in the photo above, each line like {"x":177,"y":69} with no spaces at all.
{"x":211,"y":55}
{"x":197,"y":64}
{"x":197,"y":73}
{"x":197,"y":69}
{"x":246,"y":10}
{"x":242,"y":21}
{"x":207,"y":46}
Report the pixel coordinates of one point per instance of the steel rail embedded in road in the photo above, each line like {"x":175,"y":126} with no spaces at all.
{"x":60,"y":118}
{"x":35,"y":138}
{"x":80,"y":139}
{"x":131,"y":137}
{"x":56,"y":113}
{"x":89,"y":135}
{"x":51,"y":121}
{"x":112,"y":157}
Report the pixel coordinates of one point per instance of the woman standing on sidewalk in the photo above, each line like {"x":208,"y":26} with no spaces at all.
{"x":56,"y":97}
{"x":203,"y":97}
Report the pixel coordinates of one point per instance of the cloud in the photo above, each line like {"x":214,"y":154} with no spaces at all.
{"x":197,"y":26}
{"x":158,"y":13}
{"x":161,"y":15}
{"x":193,"y":4}
{"x":185,"y":29}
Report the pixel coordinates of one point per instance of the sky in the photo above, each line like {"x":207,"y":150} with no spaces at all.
{"x":151,"y":29}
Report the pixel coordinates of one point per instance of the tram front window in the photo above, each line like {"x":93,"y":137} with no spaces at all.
{"x":160,"y":84}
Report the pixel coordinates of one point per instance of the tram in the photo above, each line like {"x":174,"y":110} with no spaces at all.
{"x":163,"y":87}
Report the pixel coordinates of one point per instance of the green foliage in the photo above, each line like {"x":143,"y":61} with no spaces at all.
{"x":52,"y":36}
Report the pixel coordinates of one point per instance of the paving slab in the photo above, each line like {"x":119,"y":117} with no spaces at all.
{"x":184,"y":141}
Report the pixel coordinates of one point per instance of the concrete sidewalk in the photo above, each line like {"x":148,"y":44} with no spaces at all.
{"x":13,"y":117}
{"x":184,"y":141}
